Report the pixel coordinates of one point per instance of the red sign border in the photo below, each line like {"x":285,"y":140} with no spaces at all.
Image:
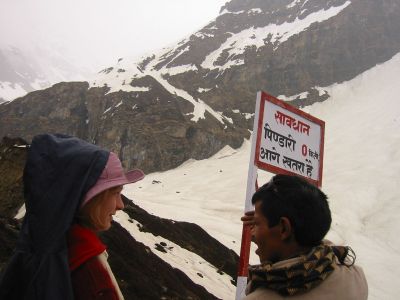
{"x":278,"y":170}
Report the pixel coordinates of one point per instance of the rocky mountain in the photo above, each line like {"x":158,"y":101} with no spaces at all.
{"x":190,"y":100}
{"x":152,"y":132}
{"x":142,"y":273}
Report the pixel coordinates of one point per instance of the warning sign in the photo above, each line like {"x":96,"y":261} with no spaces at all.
{"x":289,"y":141}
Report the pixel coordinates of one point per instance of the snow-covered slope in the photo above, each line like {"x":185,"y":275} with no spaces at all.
{"x":26,"y":68}
{"x":209,"y":52}
{"x":288,"y":47}
{"x":361,"y":177}
{"x":119,"y":78}
{"x":199,"y":270}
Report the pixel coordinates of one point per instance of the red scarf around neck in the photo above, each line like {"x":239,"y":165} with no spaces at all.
{"x":83,"y":244}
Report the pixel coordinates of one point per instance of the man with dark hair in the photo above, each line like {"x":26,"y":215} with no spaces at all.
{"x":290,"y":220}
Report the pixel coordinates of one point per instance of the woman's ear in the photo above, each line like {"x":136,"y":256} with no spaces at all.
{"x":286,"y":228}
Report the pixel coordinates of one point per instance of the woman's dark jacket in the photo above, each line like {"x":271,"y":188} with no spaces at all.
{"x":58,"y":173}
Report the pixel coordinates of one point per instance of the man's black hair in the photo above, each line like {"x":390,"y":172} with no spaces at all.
{"x":304,"y":204}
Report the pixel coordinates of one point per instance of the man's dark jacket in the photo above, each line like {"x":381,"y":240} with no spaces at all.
{"x":58,"y":173}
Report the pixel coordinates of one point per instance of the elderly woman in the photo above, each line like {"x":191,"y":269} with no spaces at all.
{"x":72,"y":189}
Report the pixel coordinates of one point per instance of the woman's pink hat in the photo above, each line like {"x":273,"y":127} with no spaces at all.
{"x":113,"y":175}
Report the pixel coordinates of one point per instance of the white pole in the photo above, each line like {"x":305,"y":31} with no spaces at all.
{"x":250,"y":190}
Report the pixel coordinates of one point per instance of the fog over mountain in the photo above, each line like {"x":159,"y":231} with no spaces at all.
{"x":72,"y":40}
{"x":184,"y":114}
{"x":25,"y":70}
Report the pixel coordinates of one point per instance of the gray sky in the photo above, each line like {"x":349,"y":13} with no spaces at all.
{"x":97,"y":32}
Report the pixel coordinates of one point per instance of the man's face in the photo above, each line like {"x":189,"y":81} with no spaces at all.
{"x":267,"y":239}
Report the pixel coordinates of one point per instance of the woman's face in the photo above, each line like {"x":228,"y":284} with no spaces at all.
{"x":111,"y":202}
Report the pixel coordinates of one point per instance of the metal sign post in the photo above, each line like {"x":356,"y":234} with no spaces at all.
{"x":250,"y":190}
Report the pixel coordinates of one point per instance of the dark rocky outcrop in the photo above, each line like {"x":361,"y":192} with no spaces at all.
{"x":151,"y":132}
{"x":140,"y":273}
{"x":12,"y":161}
{"x":143,"y":275}
{"x":187,"y":235}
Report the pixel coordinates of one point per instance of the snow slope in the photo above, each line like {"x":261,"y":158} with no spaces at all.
{"x":195,"y":267}
{"x":32,"y":66}
{"x":118,"y":79}
{"x":361,"y":176}
{"x":230,"y":53}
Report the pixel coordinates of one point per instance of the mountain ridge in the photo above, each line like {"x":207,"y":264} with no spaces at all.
{"x":192,"y":99}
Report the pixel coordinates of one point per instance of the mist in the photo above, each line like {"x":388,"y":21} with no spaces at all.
{"x":95,"y":33}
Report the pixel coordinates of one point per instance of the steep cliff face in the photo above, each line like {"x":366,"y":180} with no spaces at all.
{"x":59,"y":109}
{"x":149,"y":131}
{"x":285,"y":47}
{"x":190,"y":100}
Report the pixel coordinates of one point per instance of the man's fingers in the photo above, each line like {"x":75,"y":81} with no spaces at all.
{"x":248,"y":218}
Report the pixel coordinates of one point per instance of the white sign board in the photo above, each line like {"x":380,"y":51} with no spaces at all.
{"x":289,"y":141}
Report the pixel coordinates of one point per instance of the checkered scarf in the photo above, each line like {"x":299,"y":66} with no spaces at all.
{"x":302,"y":276}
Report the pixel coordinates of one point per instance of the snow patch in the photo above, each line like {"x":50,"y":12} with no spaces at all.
{"x":9,"y":91}
{"x":248,"y":115}
{"x":255,"y":11}
{"x":321,"y":90}
{"x":294,"y":97}
{"x":304,"y":3}
{"x":120,"y":81}
{"x":225,"y":11}
{"x":202,"y":90}
{"x":293,"y":4}
{"x":181,"y":51}
{"x":21,"y":212}
{"x":203,"y":35}
{"x":225,"y":117}
{"x":178,"y":70}
{"x":128,"y":88}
